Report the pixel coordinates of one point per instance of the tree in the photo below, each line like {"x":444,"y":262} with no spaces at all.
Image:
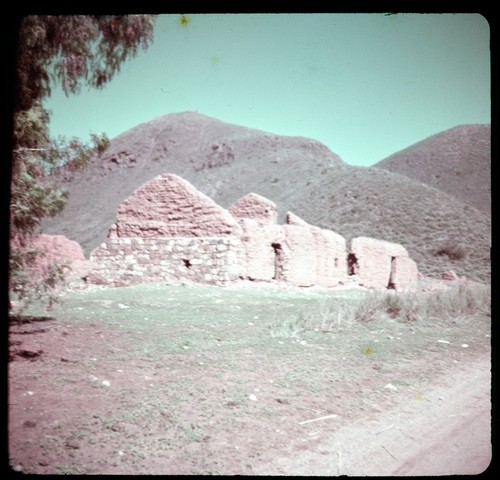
{"x":74,"y":51}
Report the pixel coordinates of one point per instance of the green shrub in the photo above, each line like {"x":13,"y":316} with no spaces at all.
{"x":28,"y":286}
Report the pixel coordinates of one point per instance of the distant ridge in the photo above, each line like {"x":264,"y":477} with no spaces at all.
{"x":456,"y":161}
{"x":226,"y":162}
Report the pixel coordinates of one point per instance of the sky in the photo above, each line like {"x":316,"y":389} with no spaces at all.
{"x":365,"y":85}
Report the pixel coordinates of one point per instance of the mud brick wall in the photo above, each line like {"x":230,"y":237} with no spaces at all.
{"x":380,"y":264}
{"x":131,"y":261}
{"x":169,"y":206}
{"x":168,"y":231}
{"x":316,"y":256}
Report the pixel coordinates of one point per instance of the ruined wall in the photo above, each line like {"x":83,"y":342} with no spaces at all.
{"x":131,"y":261}
{"x":257,"y":217}
{"x":255,"y":207}
{"x":54,"y":250}
{"x":404,"y":273}
{"x":329,"y":265}
{"x":380,"y":264}
{"x":169,"y":231}
{"x":169,"y":206}
{"x":257,"y":256}
{"x":295,"y":253}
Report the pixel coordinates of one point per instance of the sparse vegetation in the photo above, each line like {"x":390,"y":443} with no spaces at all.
{"x":456,"y":161}
{"x":28,"y":287}
{"x":176,"y":376}
{"x":453,"y":250}
{"x":444,"y":305}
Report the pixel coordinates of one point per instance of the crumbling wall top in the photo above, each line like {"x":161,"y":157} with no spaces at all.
{"x":256,"y":207}
{"x":169,"y":206}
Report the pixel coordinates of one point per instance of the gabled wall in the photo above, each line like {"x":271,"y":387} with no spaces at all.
{"x":169,"y":231}
{"x":169,"y":206}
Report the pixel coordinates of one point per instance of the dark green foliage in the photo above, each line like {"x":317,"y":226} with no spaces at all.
{"x":74,"y":51}
{"x":27,"y":284}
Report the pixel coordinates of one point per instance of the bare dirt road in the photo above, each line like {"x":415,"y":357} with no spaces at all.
{"x":447,"y":432}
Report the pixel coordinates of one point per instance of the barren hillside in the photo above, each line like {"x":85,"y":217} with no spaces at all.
{"x":228,"y":161}
{"x":456,"y":161}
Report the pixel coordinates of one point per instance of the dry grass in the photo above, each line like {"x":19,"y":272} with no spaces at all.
{"x":207,"y":380}
{"x":449,"y":305}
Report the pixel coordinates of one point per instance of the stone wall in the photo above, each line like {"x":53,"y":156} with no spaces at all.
{"x":130,"y":261}
{"x":169,"y":231}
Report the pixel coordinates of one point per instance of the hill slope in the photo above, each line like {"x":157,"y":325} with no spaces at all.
{"x":456,"y":161}
{"x":227,"y":161}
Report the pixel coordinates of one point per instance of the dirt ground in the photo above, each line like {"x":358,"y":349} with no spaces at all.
{"x":203,"y":380}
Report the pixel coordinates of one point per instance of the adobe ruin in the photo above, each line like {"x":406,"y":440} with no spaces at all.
{"x":168,"y":231}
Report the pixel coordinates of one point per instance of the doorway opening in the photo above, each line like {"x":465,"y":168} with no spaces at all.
{"x":278,"y":261}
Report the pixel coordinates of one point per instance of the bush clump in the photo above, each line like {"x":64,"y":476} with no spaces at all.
{"x":453,"y":250}
{"x":454,"y":304}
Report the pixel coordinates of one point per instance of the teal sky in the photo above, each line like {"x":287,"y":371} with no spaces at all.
{"x":365,"y":85}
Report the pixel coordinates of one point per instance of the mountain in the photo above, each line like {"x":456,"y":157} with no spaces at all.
{"x":227,"y":161}
{"x":456,"y":161}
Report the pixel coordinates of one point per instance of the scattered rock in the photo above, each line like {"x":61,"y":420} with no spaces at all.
{"x":390,"y":386}
{"x":72,"y":443}
{"x":29,"y":354}
{"x":450,"y":276}
{"x":67,"y":360}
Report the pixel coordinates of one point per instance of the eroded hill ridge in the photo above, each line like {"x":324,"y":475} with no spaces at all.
{"x":227,"y":161}
{"x":167,"y":230}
